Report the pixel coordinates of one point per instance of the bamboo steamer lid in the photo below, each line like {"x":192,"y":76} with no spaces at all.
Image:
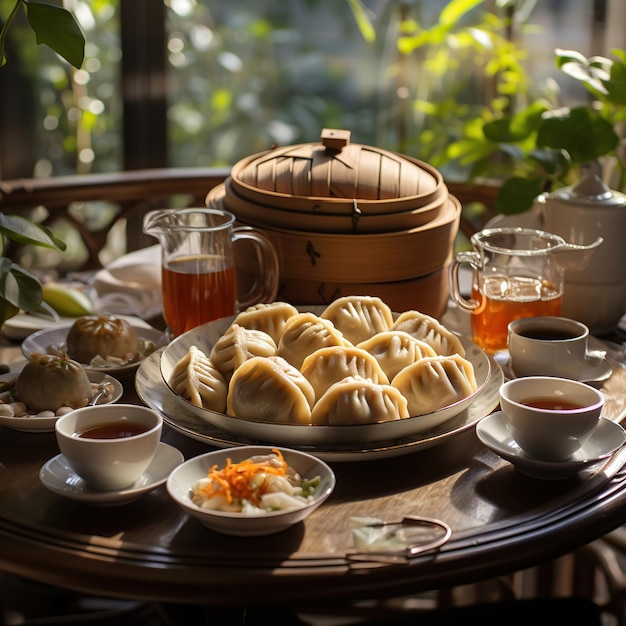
{"x":327,"y":177}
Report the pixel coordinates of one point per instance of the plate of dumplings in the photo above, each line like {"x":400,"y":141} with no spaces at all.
{"x":347,"y":373}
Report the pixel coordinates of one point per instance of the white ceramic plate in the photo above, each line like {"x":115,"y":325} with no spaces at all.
{"x":303,"y":434}
{"x":59,"y":477}
{"x":606,"y":439}
{"x":42,"y":340}
{"x":157,"y":395}
{"x":183,"y":477}
{"x":46,"y":424}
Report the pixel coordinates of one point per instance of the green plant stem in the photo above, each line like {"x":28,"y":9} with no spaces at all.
{"x":5,"y":29}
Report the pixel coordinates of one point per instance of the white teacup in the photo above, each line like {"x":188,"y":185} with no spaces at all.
{"x":550,"y":418}
{"x":111,"y":445}
{"x":549,"y":346}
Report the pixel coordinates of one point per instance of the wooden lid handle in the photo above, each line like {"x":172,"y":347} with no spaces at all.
{"x":333,"y":139}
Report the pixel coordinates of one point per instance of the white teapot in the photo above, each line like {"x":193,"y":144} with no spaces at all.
{"x":596,"y":293}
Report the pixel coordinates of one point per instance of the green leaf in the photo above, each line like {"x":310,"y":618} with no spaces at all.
{"x":19,"y":287}
{"x":583,"y":133}
{"x":561,"y":57}
{"x":517,"y":127}
{"x":616,"y":85}
{"x":457,"y":9}
{"x":554,"y":162}
{"x":56,"y":28}
{"x":24,"y":231}
{"x":7,"y":311}
{"x":518,"y":194}
{"x":363,"y":22}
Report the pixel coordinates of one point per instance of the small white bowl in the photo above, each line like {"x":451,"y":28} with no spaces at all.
{"x":184,"y":476}
{"x":550,"y":434}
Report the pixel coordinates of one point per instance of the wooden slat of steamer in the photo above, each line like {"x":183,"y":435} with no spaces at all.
{"x":265,"y":172}
{"x":389,"y":178}
{"x":368,"y":174}
{"x":343,"y":174}
{"x":302,"y":176}
{"x":320,"y":173}
{"x":283,"y":173}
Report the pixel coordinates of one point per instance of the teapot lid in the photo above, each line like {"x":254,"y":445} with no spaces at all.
{"x":590,"y":190}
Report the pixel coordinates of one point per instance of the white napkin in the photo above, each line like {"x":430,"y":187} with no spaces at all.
{"x":130,"y":285}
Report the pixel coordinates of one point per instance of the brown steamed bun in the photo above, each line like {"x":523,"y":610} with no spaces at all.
{"x":48,"y":382}
{"x":101,"y":335}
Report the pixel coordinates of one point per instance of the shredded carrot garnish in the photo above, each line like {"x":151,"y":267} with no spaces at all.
{"x":235,"y":480}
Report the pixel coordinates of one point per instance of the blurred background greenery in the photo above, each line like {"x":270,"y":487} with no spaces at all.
{"x":237,"y":77}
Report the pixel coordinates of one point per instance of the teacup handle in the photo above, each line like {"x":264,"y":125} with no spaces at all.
{"x":473,"y":259}
{"x":265,"y":286}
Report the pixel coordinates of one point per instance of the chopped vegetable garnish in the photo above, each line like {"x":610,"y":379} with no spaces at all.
{"x":247,"y":480}
{"x":254,"y":486}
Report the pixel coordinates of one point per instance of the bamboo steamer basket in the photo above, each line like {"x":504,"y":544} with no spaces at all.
{"x":395,"y":247}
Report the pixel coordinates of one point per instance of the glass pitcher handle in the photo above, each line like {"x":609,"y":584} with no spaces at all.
{"x":264,"y":287}
{"x":472,"y":259}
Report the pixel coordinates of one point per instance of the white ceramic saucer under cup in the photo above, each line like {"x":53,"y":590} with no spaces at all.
{"x":604,"y":441}
{"x":596,"y":370}
{"x":59,"y":477}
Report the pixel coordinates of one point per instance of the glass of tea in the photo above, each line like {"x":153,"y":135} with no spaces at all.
{"x":199,"y":276}
{"x":516,"y":272}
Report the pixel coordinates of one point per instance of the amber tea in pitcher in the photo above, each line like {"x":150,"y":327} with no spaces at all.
{"x":197,"y":289}
{"x":502,"y":299}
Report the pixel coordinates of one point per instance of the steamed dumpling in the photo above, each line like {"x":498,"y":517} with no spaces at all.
{"x":395,"y":349}
{"x":268,"y":317}
{"x":305,"y":333}
{"x":48,"y":382}
{"x":327,"y":366}
{"x":105,"y":336}
{"x":272,"y":390}
{"x":237,"y":345}
{"x":434,"y":382}
{"x":196,"y":379}
{"x":355,"y":400}
{"x":359,"y":317}
{"x":431,"y":331}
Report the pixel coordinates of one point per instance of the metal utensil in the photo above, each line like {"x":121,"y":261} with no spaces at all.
{"x":443,"y":532}
{"x":104,"y":388}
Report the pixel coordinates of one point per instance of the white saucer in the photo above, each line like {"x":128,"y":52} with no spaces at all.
{"x":57,"y":476}
{"x":604,"y":441}
{"x":596,"y":370}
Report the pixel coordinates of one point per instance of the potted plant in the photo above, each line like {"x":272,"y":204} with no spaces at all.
{"x":542,"y":147}
{"x":19,"y":289}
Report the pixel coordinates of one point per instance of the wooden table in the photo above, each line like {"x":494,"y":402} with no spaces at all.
{"x":149,"y":549}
